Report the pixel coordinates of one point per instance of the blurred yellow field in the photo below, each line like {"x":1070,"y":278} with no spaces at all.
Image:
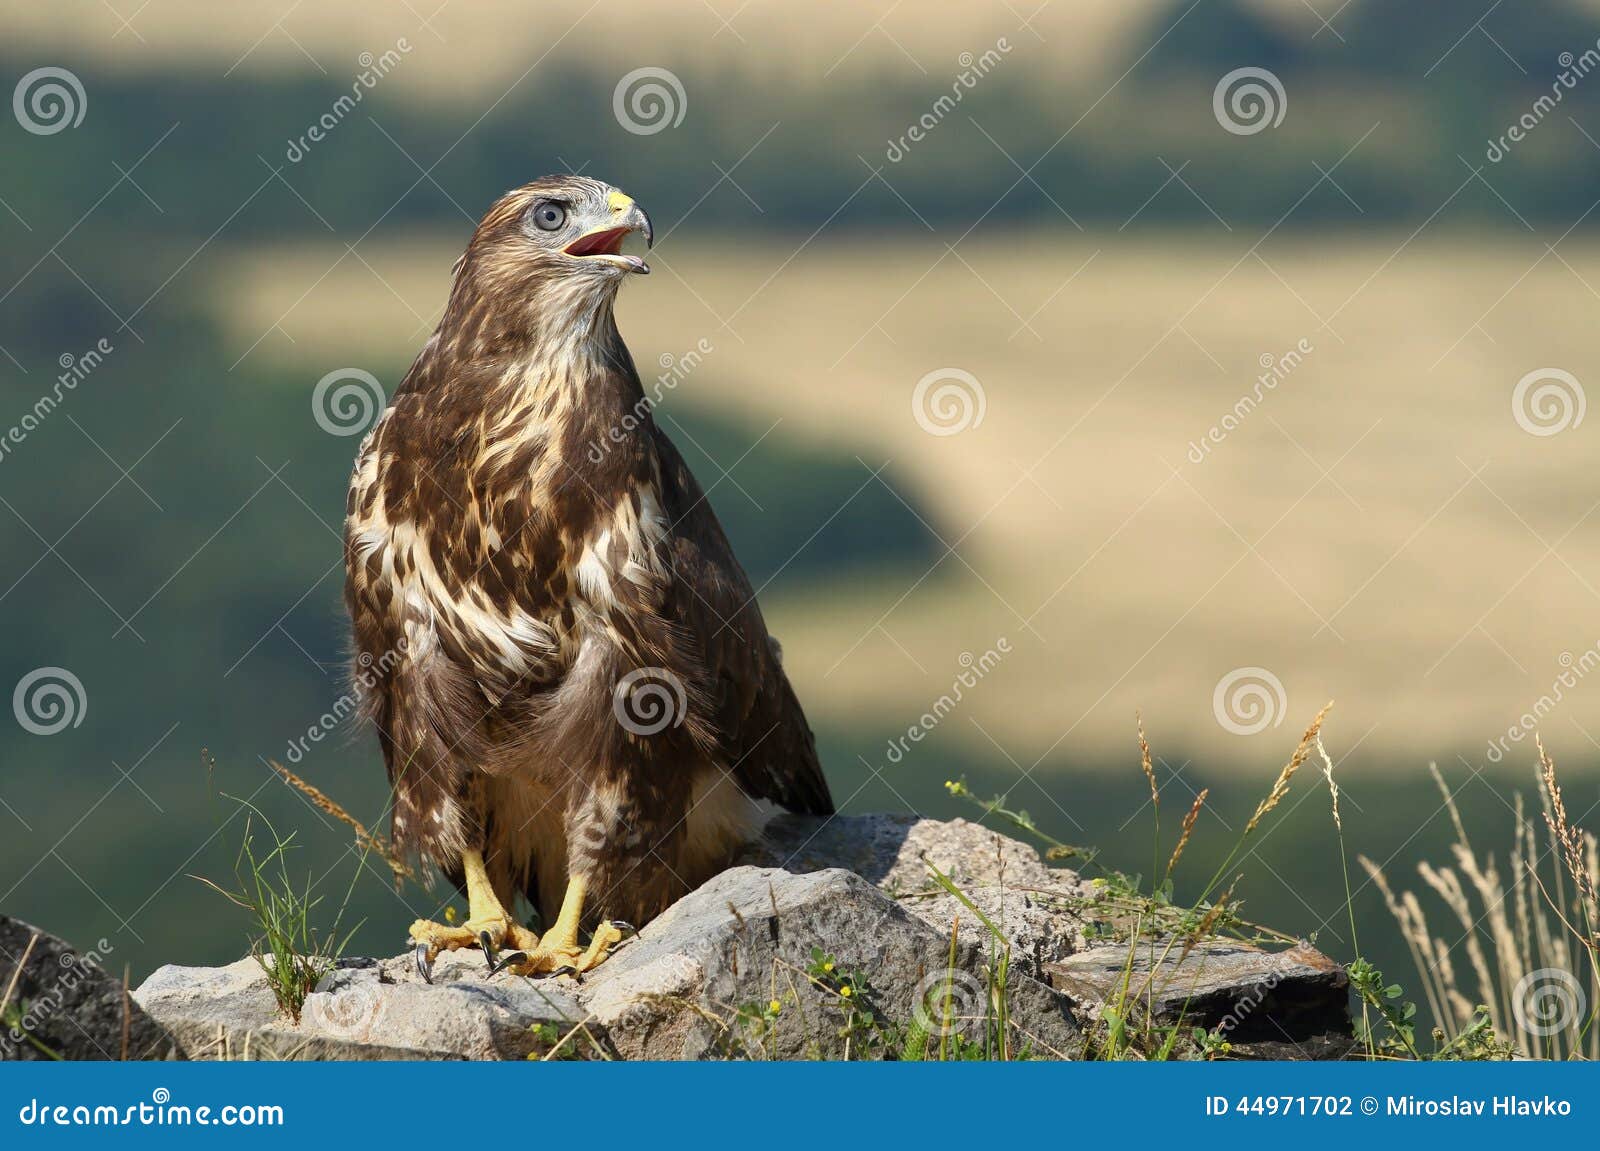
{"x":1193,"y":459}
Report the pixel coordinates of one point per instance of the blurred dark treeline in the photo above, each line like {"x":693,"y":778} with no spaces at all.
{"x":1438,"y":88}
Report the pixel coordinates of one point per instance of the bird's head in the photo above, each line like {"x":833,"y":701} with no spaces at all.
{"x":559,"y":232}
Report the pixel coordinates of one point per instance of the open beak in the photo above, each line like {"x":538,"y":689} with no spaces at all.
{"x":605,"y":242}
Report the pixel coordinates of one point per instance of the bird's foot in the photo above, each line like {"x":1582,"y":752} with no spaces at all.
{"x":559,"y":953}
{"x":489,"y":935}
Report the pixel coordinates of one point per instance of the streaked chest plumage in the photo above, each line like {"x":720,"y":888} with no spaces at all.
{"x":480,"y":534}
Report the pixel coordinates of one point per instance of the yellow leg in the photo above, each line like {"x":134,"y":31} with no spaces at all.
{"x":488,"y":925}
{"x":559,"y":948}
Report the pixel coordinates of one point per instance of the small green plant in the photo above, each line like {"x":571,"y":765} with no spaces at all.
{"x":755,"y":1024}
{"x":1397,"y":1013}
{"x":292,"y":952}
{"x":862,"y":1026}
{"x":1055,"y":849}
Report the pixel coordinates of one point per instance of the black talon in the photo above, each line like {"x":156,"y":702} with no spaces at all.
{"x":506,"y":961}
{"x":423,"y":964}
{"x":628,"y":930}
{"x":567,"y":969}
{"x":486,"y":942}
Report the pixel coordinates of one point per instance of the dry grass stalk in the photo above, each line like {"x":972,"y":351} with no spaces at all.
{"x":1447,"y":885}
{"x":1280,"y":786}
{"x":1333,"y":786}
{"x":1516,"y":955}
{"x":1145,"y":764}
{"x":1415,"y":934}
{"x":11,"y":987}
{"x":1188,"y":829}
{"x":367,"y":839}
{"x":1206,"y":925}
{"x":1571,"y":840}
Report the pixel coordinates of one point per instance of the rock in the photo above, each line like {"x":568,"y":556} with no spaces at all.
{"x":700,"y":980}
{"x":63,"y":1004}
{"x":1032,"y":903}
{"x":674,"y":992}
{"x":746,"y":939}
{"x":364,"y":1009}
{"x":1290,"y":1004}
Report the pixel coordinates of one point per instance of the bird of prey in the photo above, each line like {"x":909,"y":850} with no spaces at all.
{"x":575,"y":692}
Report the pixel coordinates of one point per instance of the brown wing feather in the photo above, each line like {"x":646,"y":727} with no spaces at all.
{"x":761,"y":727}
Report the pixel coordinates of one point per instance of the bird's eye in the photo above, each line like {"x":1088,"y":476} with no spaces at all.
{"x":549,"y":216}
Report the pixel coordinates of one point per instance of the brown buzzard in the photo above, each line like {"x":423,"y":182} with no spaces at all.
{"x":575,"y":692}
